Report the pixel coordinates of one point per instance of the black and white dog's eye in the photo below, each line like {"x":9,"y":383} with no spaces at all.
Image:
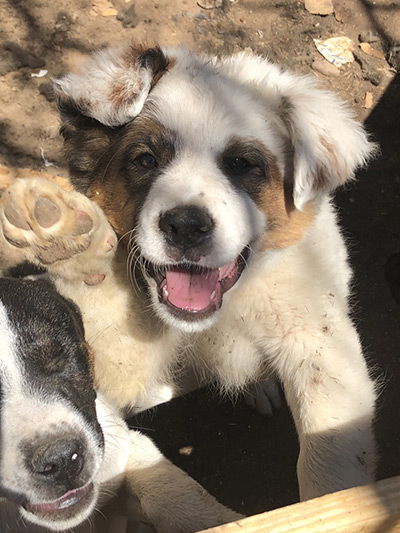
{"x":55,"y":365}
{"x":146,"y":161}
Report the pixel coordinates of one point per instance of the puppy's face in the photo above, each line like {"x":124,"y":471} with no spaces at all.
{"x":51,"y":445}
{"x":217,"y":167}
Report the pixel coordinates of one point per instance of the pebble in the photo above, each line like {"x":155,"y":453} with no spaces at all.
{"x":319,"y":7}
{"x":324,"y":67}
{"x":369,"y":36}
{"x":369,"y":70}
{"x":128,"y":17}
{"x":46,"y":89}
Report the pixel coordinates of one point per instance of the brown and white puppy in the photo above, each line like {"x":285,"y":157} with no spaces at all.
{"x":64,"y":452}
{"x":217,"y":175}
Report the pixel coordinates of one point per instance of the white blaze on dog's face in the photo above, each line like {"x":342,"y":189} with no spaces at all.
{"x":51,"y":446}
{"x":226,"y":161}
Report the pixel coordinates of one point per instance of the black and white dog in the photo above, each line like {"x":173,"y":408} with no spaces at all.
{"x":62,"y":450}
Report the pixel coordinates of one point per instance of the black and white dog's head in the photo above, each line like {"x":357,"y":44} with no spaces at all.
{"x":205,"y":163}
{"x":51,"y":445}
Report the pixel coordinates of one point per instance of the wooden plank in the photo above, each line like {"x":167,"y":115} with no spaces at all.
{"x":370,"y":509}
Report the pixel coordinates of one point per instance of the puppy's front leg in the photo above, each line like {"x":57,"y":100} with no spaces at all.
{"x":170,"y":499}
{"x":332,"y":399}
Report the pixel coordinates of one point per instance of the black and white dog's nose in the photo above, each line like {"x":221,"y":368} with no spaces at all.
{"x":59,"y":461}
{"x":186,"y":227}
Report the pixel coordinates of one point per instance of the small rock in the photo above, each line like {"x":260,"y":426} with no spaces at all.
{"x":394,"y":57}
{"x":319,"y":7}
{"x":369,"y":36}
{"x":324,"y":67}
{"x":369,"y":67}
{"x":63,"y":21}
{"x":109,"y":12}
{"x":368,"y":100}
{"x":367,"y":48}
{"x":340,"y":16}
{"x":374,"y":76}
{"x":209,"y":4}
{"x":46,"y":89}
{"x":128,"y":17}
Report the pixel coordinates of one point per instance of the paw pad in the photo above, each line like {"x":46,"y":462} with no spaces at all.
{"x":46,"y":212}
{"x":15,"y":215}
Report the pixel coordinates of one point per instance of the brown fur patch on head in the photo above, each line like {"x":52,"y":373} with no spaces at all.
{"x":120,"y":186}
{"x":286,"y":224}
{"x":113,"y":198}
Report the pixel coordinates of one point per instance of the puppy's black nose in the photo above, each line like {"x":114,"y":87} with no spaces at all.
{"x":59,"y":461}
{"x":186,"y":227}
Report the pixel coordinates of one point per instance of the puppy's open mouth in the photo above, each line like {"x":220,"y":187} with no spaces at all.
{"x":193,"y":292}
{"x":71,"y":503}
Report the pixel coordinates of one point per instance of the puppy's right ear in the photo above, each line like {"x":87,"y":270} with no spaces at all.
{"x":113,"y":86}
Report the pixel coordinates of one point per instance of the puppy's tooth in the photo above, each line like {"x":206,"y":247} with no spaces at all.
{"x":14,"y":215}
{"x":46,"y":212}
{"x":83,"y":223}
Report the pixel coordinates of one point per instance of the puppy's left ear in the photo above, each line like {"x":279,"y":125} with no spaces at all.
{"x":113,"y":86}
{"x":328,"y":143}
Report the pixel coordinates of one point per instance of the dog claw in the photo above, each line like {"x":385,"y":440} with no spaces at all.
{"x":46,"y":212}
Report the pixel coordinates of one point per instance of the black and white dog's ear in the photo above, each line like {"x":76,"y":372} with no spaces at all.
{"x":113,"y":86}
{"x":328,"y":143}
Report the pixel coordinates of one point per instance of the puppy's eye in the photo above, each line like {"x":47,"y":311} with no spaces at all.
{"x":146,"y":161}
{"x":239,"y":165}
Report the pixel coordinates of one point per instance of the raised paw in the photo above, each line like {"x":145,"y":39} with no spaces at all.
{"x":56,"y":228}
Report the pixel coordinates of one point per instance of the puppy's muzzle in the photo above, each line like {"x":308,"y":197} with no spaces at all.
{"x":187,"y":228}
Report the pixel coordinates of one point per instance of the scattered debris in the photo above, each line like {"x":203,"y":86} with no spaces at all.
{"x":325,"y":68}
{"x":47,"y":163}
{"x":200,"y":15}
{"x":104,"y":8}
{"x":368,"y":100}
{"x":209,"y":4}
{"x":128,"y":17}
{"x":340,"y":16}
{"x":367,"y":48}
{"x":186,"y":450}
{"x":369,"y":36}
{"x":394,"y":57}
{"x":46,"y":89}
{"x":370,"y":67}
{"x":337,"y":50}
{"x":40,"y":74}
{"x":319,"y":7}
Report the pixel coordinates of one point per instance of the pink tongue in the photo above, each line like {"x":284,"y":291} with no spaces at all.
{"x":192,"y":291}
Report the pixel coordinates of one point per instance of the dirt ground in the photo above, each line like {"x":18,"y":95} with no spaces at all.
{"x":245,"y":460}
